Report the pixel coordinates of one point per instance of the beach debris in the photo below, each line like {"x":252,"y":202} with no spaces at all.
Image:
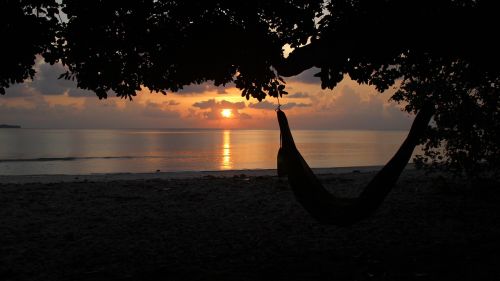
{"x":242,"y":177}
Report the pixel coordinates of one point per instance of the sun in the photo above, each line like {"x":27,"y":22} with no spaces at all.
{"x":226,"y":113}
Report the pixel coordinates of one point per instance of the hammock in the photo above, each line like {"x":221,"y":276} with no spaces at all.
{"x":324,"y":206}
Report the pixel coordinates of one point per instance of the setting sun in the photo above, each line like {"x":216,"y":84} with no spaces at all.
{"x":226,"y":113}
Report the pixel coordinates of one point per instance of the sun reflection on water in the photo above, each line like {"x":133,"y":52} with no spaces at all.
{"x":226,"y":150}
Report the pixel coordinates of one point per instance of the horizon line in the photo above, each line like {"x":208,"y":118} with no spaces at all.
{"x":215,"y":129}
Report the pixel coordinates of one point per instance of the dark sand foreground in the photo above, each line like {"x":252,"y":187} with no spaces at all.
{"x":245,"y":228}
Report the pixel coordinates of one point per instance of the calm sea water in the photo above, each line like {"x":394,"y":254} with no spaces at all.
{"x":43,"y":151}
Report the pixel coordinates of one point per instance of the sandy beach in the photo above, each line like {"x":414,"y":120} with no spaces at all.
{"x":243,"y":225}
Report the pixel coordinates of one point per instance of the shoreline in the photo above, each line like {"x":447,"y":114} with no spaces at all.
{"x":106,"y":177}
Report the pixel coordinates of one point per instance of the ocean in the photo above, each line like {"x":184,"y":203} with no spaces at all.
{"x":82,"y":151}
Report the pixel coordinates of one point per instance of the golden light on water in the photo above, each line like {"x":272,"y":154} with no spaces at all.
{"x":226,"y":151}
{"x":226,"y":113}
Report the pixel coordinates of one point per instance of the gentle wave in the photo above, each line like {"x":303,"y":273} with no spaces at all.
{"x":48,"y":159}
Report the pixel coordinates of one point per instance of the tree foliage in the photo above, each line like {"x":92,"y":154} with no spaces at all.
{"x":439,"y":52}
{"x":27,"y":28}
{"x":466,"y":129}
{"x":164,"y":45}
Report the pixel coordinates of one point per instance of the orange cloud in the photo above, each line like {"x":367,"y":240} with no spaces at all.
{"x":212,"y":109}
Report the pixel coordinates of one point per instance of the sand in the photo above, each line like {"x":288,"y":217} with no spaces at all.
{"x":243,"y":225}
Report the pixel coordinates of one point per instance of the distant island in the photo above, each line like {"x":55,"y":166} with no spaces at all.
{"x":5,"y":126}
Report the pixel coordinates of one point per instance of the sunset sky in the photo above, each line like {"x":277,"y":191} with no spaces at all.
{"x":47,"y":102}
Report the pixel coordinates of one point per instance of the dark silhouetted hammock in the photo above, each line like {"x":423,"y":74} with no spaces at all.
{"x":330,"y":209}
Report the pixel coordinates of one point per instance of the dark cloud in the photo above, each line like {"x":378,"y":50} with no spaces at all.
{"x":18,"y":90}
{"x":232,"y":105}
{"x":306,"y":77}
{"x":205,"y":104}
{"x":155,"y":110}
{"x":272,"y":106}
{"x":94,"y":113}
{"x":195,"y":89}
{"x":46,"y":82}
{"x":295,"y":104}
{"x":263,"y":105}
{"x":211,"y":103}
{"x":298,"y":95}
{"x":214,"y":109}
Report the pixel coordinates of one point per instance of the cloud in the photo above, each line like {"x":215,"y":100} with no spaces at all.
{"x":46,"y":79}
{"x":298,"y":95}
{"x":18,"y":91}
{"x":173,"y":102}
{"x":295,"y":104}
{"x":233,"y":105}
{"x":306,"y":77}
{"x":347,"y":108}
{"x":156,"y":110}
{"x":213,"y":109}
{"x":195,"y":89}
{"x":211,"y":103}
{"x":94,"y":113}
{"x":205,"y":104}
{"x":46,"y":82}
{"x":43,"y":103}
{"x":272,"y":106}
{"x":263,"y":105}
